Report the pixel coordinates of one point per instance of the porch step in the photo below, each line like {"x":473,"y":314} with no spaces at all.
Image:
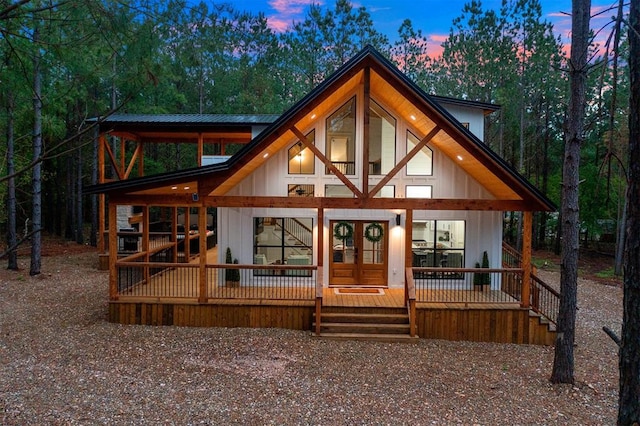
{"x":354,"y":325}
{"x":352,"y":317}
{"x":541,"y":330}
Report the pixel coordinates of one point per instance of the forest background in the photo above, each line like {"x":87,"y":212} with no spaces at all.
{"x":77,"y":60}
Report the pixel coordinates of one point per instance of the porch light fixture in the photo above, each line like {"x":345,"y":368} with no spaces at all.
{"x":174,"y":187}
{"x":186,"y":188}
{"x":266,"y":154}
{"x":397,"y":220}
{"x":413,"y":117}
{"x":313,"y":116}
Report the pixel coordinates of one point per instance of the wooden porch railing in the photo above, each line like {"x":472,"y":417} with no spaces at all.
{"x":319,"y":274}
{"x":543,"y":298}
{"x":467,"y":285}
{"x":410,"y":300}
{"x":139,"y":278}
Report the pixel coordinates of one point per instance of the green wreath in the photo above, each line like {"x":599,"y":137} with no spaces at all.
{"x":343,"y":231}
{"x":374,"y":232}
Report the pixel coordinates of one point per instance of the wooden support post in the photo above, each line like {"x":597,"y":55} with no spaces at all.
{"x":319,"y":271}
{"x":319,"y":287}
{"x":202,"y":240}
{"x":145,"y":241}
{"x":174,"y":233}
{"x":102,"y":244}
{"x":123,"y":156}
{"x":187,"y":226}
{"x":408,"y":232}
{"x":141,"y":158}
{"x":113,"y":252}
{"x":527,"y":223}
{"x":320,"y":238}
{"x":408,"y":248}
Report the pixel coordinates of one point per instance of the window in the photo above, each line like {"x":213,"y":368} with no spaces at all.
{"x":341,"y":135}
{"x":338,"y":191}
{"x":382,"y":140}
{"x":422,"y":163}
{"x":300,"y":190}
{"x":438,"y":243}
{"x":418,"y":191}
{"x":301,"y":159}
{"x":387,"y":191}
{"x":282,"y":241}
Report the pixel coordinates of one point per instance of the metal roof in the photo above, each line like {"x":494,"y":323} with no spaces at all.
{"x":160,"y":119}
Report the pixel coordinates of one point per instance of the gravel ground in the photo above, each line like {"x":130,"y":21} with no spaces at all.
{"x":62,"y":363}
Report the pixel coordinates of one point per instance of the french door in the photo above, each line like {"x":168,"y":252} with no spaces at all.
{"x":359,"y":253}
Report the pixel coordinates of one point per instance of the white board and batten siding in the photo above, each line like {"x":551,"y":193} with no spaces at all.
{"x":483,"y":229}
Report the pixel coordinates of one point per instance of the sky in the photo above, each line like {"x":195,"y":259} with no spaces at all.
{"x":433,"y":17}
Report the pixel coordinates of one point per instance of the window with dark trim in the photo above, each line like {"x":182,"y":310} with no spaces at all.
{"x":438,"y":243}
{"x":282,"y":241}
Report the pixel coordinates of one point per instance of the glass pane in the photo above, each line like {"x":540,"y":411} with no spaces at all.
{"x":338,"y":191}
{"x":387,"y":191}
{"x":418,"y":191}
{"x":382,"y":140}
{"x":341,"y":134}
{"x":342,"y":242}
{"x":438,"y":243}
{"x":422,"y":163}
{"x":302,"y":190}
{"x":373,"y":236}
{"x":283,"y":240}
{"x":301,"y":159}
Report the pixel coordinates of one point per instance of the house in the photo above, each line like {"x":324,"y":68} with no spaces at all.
{"x":366,"y":200}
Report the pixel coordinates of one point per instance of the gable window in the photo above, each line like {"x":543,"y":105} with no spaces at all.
{"x":438,"y":243}
{"x":339,"y":191}
{"x":341,"y":135}
{"x":422,"y":163}
{"x":300,"y":190}
{"x":387,"y":191}
{"x":382,"y":140}
{"x":301,"y":159}
{"x":418,"y":191}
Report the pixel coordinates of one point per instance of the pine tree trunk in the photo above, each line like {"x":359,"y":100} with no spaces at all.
{"x":629,"y":401}
{"x":78,"y":190}
{"x":36,"y":214}
{"x":12,"y":239}
{"x":93,"y":238}
{"x":563,"y":362}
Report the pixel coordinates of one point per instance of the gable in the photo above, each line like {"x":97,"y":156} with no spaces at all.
{"x":369,"y":77}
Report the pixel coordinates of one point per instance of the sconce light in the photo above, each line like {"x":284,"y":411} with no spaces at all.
{"x":194,"y":196}
{"x":397,"y":220}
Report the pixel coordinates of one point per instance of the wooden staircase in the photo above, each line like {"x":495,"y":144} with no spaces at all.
{"x":541,"y":330}
{"x":366,"y":323}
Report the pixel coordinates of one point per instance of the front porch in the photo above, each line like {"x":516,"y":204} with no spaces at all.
{"x":440,"y":303}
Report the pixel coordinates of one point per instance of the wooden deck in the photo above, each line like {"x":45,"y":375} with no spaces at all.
{"x":481,"y":318}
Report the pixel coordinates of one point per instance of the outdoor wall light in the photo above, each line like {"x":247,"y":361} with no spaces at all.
{"x":397,"y":220}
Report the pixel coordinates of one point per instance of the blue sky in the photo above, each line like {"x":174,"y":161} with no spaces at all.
{"x":433,"y":17}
